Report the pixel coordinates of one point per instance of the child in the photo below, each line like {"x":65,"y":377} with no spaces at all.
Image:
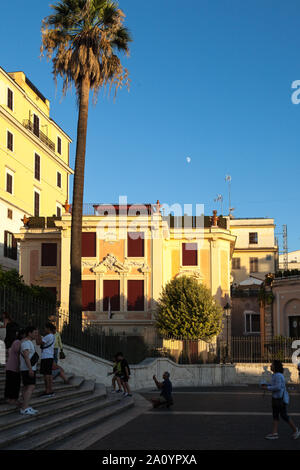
{"x":280,"y":400}
{"x":116,"y":376}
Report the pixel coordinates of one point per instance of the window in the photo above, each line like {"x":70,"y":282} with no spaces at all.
{"x":10,"y":246}
{"x":10,"y":141}
{"x":10,"y":99}
{"x":59,"y":145}
{"x":135,"y":244}
{"x":9,"y":182}
{"x":58,"y":211}
{"x":253,"y":238}
{"x":88,"y":244}
{"x":37,"y":167}
{"x":253,"y":265}
{"x":236,"y":263}
{"x":252,"y":322}
{"x":111,"y":291}
{"x":36,"y":125}
{"x":89,"y":295}
{"x":9,"y":214}
{"x":189,"y":254}
{"x":135,"y":295}
{"x":269,"y":258}
{"x":49,"y":254}
{"x":36,"y":204}
{"x":58,"y":182}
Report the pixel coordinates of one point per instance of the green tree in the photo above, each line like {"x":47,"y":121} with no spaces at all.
{"x":187,"y":309}
{"x":83,"y":38}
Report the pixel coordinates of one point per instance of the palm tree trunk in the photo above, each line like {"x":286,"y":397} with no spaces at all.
{"x":75,"y":301}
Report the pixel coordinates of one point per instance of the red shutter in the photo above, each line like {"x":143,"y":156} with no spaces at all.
{"x":111,"y":289}
{"x":88,"y":244}
{"x":135,"y":244}
{"x":189,"y":254}
{"x":135,"y":295}
{"x":89,"y":296}
{"x":49,"y":254}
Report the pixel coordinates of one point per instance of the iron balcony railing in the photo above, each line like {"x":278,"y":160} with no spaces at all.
{"x":39,"y":134}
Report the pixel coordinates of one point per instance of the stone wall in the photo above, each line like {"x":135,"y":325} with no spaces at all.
{"x":91,"y":367}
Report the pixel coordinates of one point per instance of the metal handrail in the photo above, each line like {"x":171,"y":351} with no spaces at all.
{"x":40,"y":135}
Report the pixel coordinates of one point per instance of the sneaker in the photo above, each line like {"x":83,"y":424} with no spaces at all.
{"x":118,"y":391}
{"x":296,"y":434}
{"x":33,"y":410}
{"x":113,"y":391}
{"x":125,"y":394}
{"x":272,"y":437}
{"x":28,"y":412}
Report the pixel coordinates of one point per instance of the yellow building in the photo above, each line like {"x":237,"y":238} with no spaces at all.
{"x":256,"y":252}
{"x":34,"y":160}
{"x":128,"y":254}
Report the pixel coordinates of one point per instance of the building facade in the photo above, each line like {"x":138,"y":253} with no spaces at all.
{"x":34,"y":160}
{"x":129,"y":253}
{"x":293,"y":259}
{"x":255,"y":255}
{"x":255,"y":252}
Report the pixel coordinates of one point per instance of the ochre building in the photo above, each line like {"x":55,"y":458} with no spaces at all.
{"x":34,"y":160}
{"x":128,"y":254}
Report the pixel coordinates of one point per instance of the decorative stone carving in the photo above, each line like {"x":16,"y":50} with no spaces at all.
{"x":111,"y":263}
{"x":191,"y":273}
{"x":47,"y":275}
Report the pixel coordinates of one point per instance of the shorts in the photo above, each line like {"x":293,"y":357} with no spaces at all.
{"x":279,"y":409}
{"x":124,"y":378}
{"x":26,"y":379}
{"x":46,"y":366}
{"x":12,"y":385}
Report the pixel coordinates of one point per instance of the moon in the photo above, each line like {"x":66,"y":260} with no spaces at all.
{"x":188,"y":159}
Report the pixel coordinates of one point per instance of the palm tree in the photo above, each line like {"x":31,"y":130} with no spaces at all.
{"x":83,"y":37}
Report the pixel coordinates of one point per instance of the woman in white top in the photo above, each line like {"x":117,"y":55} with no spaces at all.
{"x":28,"y":364}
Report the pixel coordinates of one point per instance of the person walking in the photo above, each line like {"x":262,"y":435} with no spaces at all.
{"x":12,"y":371}
{"x":28,"y":364}
{"x":125,"y":374}
{"x":280,"y":400}
{"x":47,"y":346}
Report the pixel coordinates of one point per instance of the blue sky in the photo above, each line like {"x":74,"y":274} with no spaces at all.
{"x":211,"y":80}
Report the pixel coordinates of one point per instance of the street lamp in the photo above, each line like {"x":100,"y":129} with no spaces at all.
{"x":227,"y":310}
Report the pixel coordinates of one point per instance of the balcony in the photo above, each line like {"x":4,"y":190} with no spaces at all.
{"x":39,"y":134}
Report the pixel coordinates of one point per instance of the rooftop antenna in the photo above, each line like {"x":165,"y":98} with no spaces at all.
{"x":228,"y":180}
{"x":285,"y":248}
{"x":219,"y":199}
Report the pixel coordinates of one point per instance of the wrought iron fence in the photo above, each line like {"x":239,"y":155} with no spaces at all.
{"x":90,"y":336}
{"x":253,"y":349}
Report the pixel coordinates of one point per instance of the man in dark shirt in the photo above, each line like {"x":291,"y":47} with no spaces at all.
{"x":166,"y":397}
{"x":125,"y":374}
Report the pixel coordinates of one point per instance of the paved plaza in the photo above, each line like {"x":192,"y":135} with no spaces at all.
{"x":232,"y":418}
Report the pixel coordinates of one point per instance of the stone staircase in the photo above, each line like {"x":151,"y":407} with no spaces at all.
{"x":62,"y":420}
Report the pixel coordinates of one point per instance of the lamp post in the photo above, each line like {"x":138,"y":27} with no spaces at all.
{"x":227,"y":310}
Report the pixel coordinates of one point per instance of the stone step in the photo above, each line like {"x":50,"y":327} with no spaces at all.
{"x":39,"y":383}
{"x":76,"y":389}
{"x":57,"y":387}
{"x":51,"y":407}
{"x":70,"y":423}
{"x":29,"y":427}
